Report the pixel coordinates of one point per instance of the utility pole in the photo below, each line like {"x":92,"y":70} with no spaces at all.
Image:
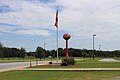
{"x":93,"y":47}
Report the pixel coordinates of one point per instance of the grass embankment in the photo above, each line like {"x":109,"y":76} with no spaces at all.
{"x":60,"y":75}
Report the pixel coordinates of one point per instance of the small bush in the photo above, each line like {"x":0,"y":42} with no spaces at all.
{"x":69,"y":61}
{"x":64,"y":64}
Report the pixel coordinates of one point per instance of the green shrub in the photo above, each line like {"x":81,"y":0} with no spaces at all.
{"x":69,"y":61}
{"x":64,"y":64}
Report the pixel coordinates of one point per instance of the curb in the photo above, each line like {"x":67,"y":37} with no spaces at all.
{"x":74,"y":69}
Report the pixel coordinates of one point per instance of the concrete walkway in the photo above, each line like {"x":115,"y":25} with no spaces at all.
{"x":10,"y":69}
{"x":73,"y":69}
{"x":61,"y":69}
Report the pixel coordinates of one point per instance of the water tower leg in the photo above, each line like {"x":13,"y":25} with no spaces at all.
{"x":67,"y":49}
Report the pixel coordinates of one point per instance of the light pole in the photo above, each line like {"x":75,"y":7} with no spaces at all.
{"x":99,"y":47}
{"x":93,"y":47}
{"x":44,"y":45}
{"x":44,"y":49}
{"x":99,"y":50}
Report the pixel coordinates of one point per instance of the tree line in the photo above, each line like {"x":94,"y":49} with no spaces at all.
{"x":6,"y":52}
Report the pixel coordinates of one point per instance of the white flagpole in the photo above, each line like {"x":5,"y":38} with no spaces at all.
{"x":57,"y":44}
{"x":56,"y":24}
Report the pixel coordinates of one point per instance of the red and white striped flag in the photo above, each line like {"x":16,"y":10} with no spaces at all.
{"x":56,"y":20}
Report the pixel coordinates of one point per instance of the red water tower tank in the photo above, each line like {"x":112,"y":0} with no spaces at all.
{"x":66,"y":36}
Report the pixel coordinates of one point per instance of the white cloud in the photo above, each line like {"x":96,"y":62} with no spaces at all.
{"x":5,"y":29}
{"x":78,"y":17}
{"x":89,"y":16}
{"x":34,"y":32}
{"x":30,"y":15}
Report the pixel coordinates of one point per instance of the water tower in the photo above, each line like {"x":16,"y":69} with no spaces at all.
{"x":66,"y":37}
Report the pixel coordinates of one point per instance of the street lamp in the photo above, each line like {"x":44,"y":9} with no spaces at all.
{"x":93,"y":46}
{"x":44,"y":49}
{"x":99,"y":47}
{"x":44,"y":45}
{"x":99,"y":50}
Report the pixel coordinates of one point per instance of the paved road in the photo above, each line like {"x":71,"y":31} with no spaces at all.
{"x":19,"y":65}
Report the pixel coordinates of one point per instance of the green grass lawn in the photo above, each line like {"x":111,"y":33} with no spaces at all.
{"x":60,"y":75}
{"x":87,"y":63}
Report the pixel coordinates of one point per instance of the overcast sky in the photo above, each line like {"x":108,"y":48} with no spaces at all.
{"x":30,"y":23}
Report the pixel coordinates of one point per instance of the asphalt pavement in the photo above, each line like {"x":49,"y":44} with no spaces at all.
{"x":19,"y":65}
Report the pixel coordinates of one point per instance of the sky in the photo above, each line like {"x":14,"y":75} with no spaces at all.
{"x":30,"y":23}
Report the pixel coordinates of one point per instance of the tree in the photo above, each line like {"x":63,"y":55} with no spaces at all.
{"x":1,"y":50}
{"x":71,"y":51}
{"x":6,"y":52}
{"x":53,"y":53}
{"x":84,"y":53}
{"x":61,"y":52}
{"x":39,"y":52}
{"x":47,"y":53}
{"x":22,"y":52}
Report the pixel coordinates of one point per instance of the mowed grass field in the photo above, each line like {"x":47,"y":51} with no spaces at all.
{"x":87,"y":63}
{"x":60,"y":75}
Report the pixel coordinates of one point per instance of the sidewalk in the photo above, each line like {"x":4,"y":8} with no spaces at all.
{"x":10,"y":69}
{"x":62,"y":69}
{"x":73,"y":69}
